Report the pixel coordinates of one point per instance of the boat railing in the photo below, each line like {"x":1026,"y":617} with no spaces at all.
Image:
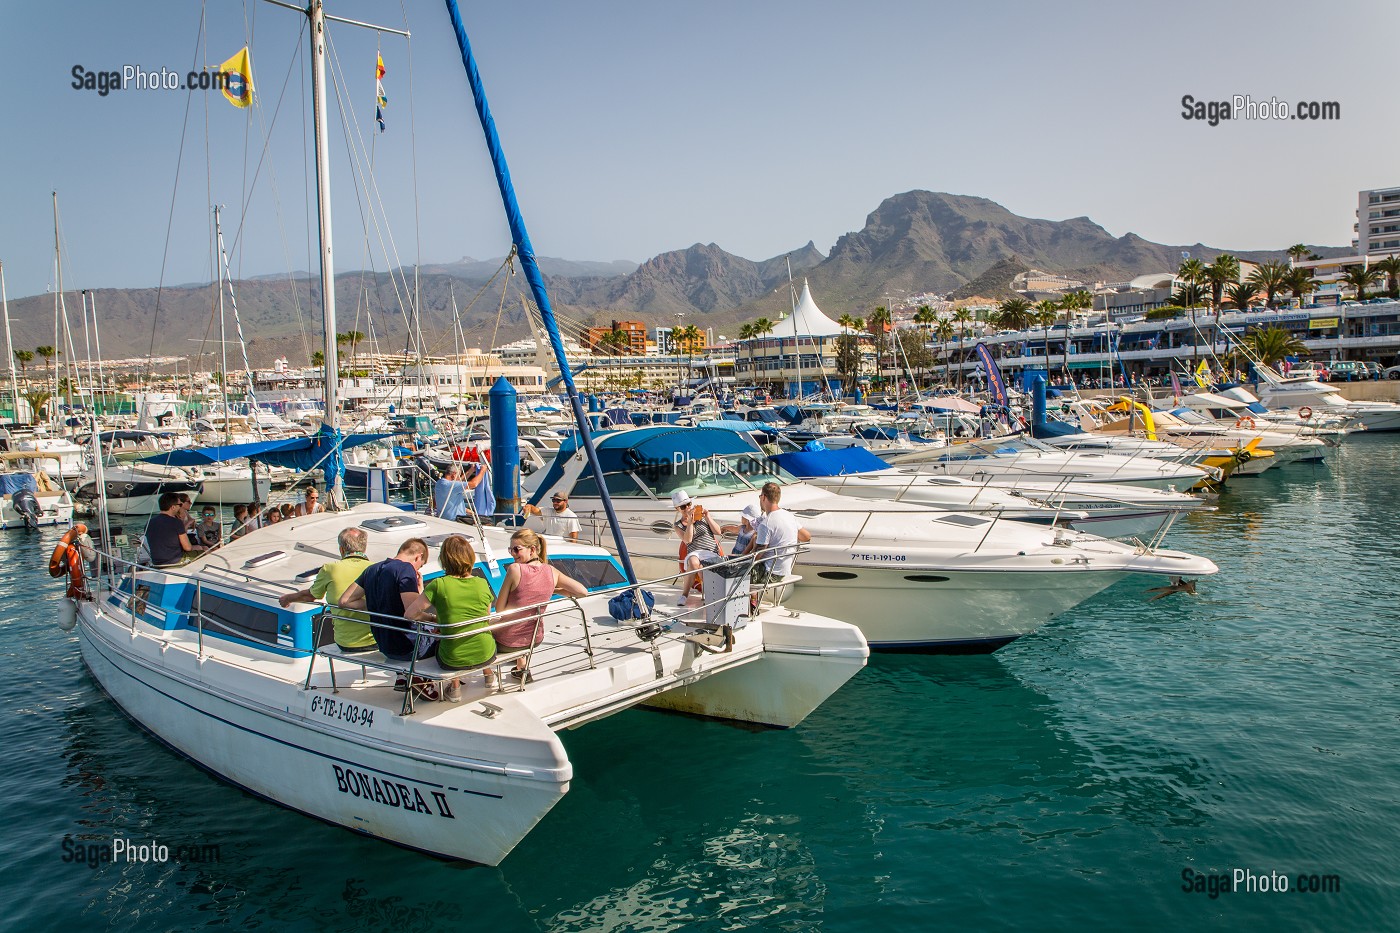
{"x":134,"y":598}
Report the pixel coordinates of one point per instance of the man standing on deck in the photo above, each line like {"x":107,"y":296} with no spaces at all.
{"x":352,"y":632}
{"x":562,"y":522}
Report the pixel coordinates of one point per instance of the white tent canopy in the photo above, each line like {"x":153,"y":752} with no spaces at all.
{"x":807,"y":320}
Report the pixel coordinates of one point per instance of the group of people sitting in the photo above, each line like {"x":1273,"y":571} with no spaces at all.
{"x":765,"y":527}
{"x":250,"y":516}
{"x":456,"y":626}
{"x":174,"y":536}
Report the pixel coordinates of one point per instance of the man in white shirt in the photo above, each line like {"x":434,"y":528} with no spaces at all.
{"x":562,"y":522}
{"x":777,"y":530}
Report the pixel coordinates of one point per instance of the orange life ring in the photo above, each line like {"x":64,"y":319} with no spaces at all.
{"x":1305,"y":413}
{"x":67,"y":559}
{"x":1245,"y":422}
{"x":58,"y":560}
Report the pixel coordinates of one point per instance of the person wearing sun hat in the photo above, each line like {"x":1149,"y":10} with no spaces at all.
{"x":699,"y":538}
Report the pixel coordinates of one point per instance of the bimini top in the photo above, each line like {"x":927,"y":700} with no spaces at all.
{"x":635,"y":448}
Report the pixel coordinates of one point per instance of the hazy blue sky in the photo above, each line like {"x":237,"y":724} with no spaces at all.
{"x":639,"y":127}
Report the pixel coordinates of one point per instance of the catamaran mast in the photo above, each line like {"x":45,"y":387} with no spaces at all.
{"x":526,"y":250}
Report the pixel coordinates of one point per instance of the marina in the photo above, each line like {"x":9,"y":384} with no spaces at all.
{"x":1070,"y":777}
{"x":1030,"y":586}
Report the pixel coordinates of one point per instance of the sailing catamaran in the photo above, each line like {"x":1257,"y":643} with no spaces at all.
{"x":205,"y":657}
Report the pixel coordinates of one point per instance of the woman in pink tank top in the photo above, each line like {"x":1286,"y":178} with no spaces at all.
{"x":530,"y":581}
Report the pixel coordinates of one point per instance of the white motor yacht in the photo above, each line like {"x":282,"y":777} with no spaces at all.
{"x":1296,"y":393}
{"x":1024,"y":458}
{"x":912,"y":577}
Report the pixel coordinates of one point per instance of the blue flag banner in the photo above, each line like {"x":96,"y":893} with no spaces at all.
{"x":995,"y":384}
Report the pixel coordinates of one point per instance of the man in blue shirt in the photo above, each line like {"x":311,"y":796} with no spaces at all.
{"x":385,"y":589}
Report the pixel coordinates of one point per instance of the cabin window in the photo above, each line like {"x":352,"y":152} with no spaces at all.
{"x":229,"y":617}
{"x":592,"y":572}
{"x":619,"y":484}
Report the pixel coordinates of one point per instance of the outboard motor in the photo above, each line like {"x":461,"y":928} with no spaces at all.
{"x":27,"y":505}
{"x":426,"y":468}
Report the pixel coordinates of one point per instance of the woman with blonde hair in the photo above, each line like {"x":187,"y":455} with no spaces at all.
{"x":453,"y":600}
{"x":530,"y":582}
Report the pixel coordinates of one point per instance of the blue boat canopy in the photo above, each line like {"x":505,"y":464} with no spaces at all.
{"x":840,"y":462}
{"x":262,"y":450}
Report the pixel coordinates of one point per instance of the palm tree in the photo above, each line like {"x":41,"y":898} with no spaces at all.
{"x":962,"y":317}
{"x":24,"y":357}
{"x":1192,"y":271}
{"x":354,"y":338}
{"x":1224,"y":270}
{"x":1296,"y":252}
{"x":37,"y":399}
{"x":1077,"y":300}
{"x":1359,"y":278}
{"x":1301,"y":283}
{"x":943,"y":333}
{"x":1014,"y":314}
{"x":1272,"y":344}
{"x":845,"y":321}
{"x":1390,"y":268}
{"x":1189,"y":295}
{"x":879,"y":319}
{"x":1240,"y":294}
{"x":925,"y":317}
{"x":318,"y":359}
{"x":1270,"y":278}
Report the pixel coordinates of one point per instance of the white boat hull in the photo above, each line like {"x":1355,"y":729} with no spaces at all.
{"x":446,"y":806}
{"x":55,"y":508}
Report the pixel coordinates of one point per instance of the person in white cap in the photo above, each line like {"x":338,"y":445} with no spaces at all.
{"x":699,"y":536}
{"x":744,"y":533}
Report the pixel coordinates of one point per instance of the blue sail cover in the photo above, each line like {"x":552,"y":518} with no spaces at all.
{"x":842,"y":462}
{"x":996,"y":386}
{"x":11,"y":483}
{"x":301,"y":453}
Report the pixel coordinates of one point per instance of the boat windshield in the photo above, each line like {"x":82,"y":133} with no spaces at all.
{"x":711,"y":476}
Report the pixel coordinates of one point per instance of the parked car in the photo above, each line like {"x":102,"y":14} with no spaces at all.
{"x":1345,"y":371}
{"x":1391,"y":372}
{"x":1373,"y":369}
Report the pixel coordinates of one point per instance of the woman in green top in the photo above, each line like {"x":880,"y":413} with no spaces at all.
{"x":455,"y":598}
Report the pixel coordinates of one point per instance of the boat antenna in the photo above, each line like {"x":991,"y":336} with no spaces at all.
{"x":526,"y":251}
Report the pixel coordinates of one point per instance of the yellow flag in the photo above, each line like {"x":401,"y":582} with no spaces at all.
{"x":1203,"y":375}
{"x":239,"y":75}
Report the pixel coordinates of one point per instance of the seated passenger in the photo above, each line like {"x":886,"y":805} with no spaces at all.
{"x":166,"y":540}
{"x":352,"y":631}
{"x":461,"y":604}
{"x":530,"y":581}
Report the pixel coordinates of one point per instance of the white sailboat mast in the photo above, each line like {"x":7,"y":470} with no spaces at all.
{"x":9,"y":343}
{"x":323,"y":210}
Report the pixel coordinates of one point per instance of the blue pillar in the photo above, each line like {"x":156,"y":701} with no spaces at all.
{"x":1037,"y":402}
{"x":505,"y":448}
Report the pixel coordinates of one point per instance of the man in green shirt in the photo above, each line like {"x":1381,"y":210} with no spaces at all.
{"x":352,"y":631}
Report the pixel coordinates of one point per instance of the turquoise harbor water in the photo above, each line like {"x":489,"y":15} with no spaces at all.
{"x":1065,"y":782}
